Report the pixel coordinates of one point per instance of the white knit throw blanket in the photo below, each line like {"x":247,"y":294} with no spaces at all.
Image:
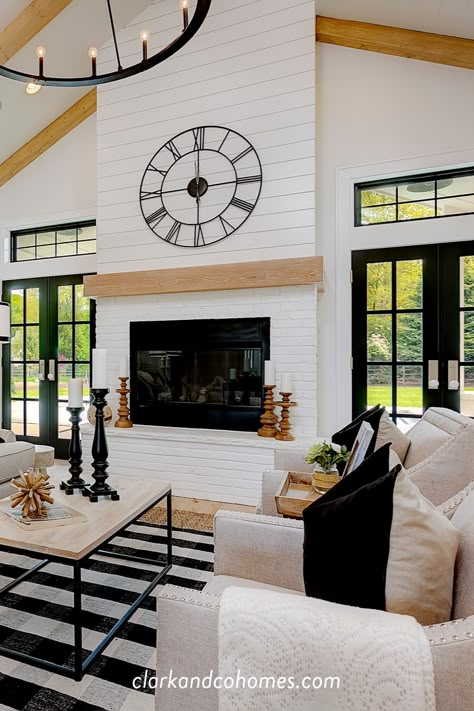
{"x":383,"y":660}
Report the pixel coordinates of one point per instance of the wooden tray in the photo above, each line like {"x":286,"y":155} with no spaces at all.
{"x":295,"y":494}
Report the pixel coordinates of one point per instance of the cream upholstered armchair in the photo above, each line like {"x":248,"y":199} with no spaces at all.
{"x":258,"y":551}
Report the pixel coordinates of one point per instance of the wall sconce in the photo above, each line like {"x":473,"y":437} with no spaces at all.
{"x":4,"y":322}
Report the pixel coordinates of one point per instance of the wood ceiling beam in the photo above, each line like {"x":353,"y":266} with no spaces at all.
{"x":424,"y":46}
{"x":27,"y":25}
{"x":50,"y":135}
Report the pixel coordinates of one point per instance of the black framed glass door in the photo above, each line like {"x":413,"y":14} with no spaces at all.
{"x":52,"y":332}
{"x":413,"y":329}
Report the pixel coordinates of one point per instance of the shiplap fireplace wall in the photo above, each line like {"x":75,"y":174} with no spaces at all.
{"x":251,"y":69}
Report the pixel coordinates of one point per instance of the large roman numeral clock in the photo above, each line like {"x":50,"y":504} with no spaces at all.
{"x":201,"y":186}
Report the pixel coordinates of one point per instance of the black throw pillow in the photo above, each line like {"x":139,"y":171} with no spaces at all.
{"x":347,"y":436}
{"x":2,"y":441}
{"x":347,"y":536}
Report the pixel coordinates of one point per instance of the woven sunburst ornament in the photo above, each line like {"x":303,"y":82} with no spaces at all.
{"x":33,"y":492}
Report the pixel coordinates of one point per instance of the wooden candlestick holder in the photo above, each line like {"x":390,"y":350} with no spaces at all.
{"x":284,"y":434}
{"x":123,"y":411}
{"x":268,"y":419}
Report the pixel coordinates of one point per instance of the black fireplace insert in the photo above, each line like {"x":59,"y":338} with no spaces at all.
{"x":205,"y":373}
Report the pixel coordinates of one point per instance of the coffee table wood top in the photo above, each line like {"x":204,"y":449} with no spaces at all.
{"x":104,"y":519}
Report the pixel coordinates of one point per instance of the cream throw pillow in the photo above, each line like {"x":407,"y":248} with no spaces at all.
{"x":388,"y":432}
{"x":423,"y":549}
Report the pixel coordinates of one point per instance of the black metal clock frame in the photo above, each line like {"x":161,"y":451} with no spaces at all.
{"x":201,"y":186}
{"x":200,"y":14}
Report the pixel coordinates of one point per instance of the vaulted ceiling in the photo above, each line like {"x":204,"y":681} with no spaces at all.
{"x":85,"y":23}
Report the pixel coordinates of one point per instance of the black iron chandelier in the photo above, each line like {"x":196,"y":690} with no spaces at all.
{"x":190,"y":28}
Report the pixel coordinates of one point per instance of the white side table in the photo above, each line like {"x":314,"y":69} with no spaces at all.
{"x":44,"y":457}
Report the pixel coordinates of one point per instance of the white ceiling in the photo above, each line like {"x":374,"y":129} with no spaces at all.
{"x":446,"y":17}
{"x":83,"y":24}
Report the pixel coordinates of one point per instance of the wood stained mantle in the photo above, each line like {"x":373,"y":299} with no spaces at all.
{"x":245,"y":275}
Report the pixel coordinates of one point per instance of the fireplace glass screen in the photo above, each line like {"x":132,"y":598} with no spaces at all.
{"x":205,"y":374}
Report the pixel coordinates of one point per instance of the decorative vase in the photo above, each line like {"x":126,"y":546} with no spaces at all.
{"x":322,"y":480}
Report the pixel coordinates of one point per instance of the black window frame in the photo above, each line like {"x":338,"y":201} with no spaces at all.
{"x":433,"y":177}
{"x":50,"y":228}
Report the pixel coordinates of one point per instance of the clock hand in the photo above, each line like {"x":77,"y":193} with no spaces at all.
{"x":211,"y":185}
{"x":198,"y":197}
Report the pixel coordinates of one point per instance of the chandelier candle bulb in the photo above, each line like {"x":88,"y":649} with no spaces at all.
{"x":269,"y":373}
{"x":41,"y":54}
{"x":145,"y":36}
{"x":99,"y":368}
{"x":75,"y":393}
{"x":93,"y":52}
{"x":184,"y":5}
{"x":286,"y":384}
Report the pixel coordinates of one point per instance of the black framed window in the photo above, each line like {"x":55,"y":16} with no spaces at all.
{"x":420,"y":197}
{"x":69,"y":240}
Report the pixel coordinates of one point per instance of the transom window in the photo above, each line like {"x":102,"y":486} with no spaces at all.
{"x":68,"y":240}
{"x":420,"y":197}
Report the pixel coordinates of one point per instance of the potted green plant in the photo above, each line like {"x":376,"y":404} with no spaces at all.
{"x":325,"y":457}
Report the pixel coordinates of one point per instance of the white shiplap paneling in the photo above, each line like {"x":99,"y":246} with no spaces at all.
{"x":251,"y":68}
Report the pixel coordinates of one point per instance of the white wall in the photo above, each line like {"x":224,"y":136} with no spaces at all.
{"x":59,"y":186}
{"x":250,"y":68}
{"x":377,"y":116}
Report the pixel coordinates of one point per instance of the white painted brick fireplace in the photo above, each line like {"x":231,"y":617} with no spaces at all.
{"x":211,"y":464}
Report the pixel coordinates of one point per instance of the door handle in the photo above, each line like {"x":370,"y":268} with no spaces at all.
{"x":433,"y":375}
{"x":52,"y":369}
{"x":42,"y":370}
{"x":453,"y":375}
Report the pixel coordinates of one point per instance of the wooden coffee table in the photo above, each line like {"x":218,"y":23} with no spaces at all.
{"x":76,"y":543}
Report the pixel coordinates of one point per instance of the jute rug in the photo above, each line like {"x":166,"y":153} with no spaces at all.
{"x":182,"y":519}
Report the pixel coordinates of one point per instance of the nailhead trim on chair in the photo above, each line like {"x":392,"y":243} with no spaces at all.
{"x":190,"y":601}
{"x":466,"y":491}
{"x":454,"y":638}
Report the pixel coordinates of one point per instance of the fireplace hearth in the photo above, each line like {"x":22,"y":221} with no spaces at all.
{"x":199,"y":373}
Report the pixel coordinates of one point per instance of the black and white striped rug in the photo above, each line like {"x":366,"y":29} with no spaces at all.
{"x":36,"y":617}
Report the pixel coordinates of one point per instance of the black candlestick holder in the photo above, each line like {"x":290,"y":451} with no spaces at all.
{"x":100,"y":452}
{"x":75,"y":454}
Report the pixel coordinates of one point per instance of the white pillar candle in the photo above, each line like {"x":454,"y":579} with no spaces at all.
{"x":269,"y":373}
{"x":75,"y":393}
{"x":99,"y":368}
{"x":233,"y":374}
{"x":286,"y":385}
{"x":124,"y":367}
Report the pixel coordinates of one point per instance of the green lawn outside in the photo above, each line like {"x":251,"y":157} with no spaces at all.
{"x":407,"y":396}
{"x":33,"y":390}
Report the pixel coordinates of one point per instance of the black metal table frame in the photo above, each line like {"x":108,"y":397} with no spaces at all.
{"x":80,"y":667}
